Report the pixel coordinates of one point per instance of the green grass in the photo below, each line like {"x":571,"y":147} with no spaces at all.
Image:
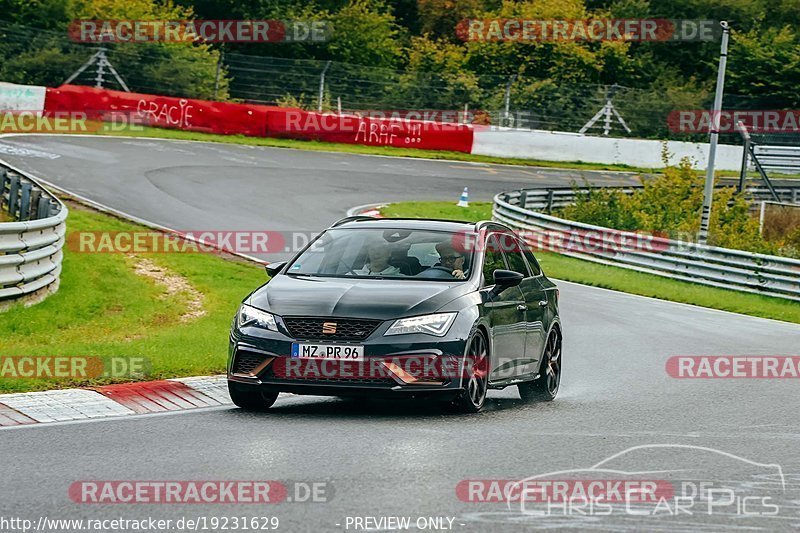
{"x":609,"y":277}
{"x":103,"y":308}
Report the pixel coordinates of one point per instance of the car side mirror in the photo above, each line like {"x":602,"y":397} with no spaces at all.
{"x":273,"y":268}
{"x":505,"y":279}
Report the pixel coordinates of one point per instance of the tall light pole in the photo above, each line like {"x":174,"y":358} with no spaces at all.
{"x":708,"y":193}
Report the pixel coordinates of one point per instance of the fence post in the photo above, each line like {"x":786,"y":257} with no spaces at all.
{"x":322,"y":86}
{"x":216,"y":76}
{"x":550,"y":195}
{"x":507,"y":99}
{"x":745,"y":155}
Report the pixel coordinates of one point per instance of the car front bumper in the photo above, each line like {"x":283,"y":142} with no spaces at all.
{"x":414,"y":365}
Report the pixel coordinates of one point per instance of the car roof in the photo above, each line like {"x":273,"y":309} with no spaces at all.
{"x":360,"y":221}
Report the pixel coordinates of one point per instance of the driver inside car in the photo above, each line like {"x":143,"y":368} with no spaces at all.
{"x":451,"y":260}
{"x":377,"y":264}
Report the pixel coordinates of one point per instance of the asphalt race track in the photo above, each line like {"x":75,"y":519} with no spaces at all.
{"x":196,"y":186}
{"x":396,"y":459}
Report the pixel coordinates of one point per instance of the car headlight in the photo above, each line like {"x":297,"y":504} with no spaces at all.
{"x":436,"y":325}
{"x":250,"y":316}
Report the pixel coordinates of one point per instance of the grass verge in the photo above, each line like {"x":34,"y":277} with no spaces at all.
{"x":609,"y":277}
{"x":105,"y":308}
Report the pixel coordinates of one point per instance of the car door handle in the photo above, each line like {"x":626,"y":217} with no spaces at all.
{"x":522,"y":307}
{"x":542,"y":303}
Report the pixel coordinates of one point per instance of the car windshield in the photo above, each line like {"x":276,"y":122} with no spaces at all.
{"x":386,"y":254}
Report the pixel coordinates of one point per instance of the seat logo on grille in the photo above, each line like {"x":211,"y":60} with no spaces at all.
{"x":329,"y":328}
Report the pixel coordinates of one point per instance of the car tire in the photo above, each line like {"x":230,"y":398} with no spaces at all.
{"x":545,"y":388}
{"x":251,"y":398}
{"x":472,"y":398}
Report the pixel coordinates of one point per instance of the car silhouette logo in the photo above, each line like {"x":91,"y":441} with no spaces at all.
{"x":329,"y":328}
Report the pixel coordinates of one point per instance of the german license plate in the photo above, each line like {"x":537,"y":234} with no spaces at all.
{"x":328,"y":351}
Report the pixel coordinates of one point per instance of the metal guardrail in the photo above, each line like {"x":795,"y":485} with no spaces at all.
{"x":547,"y":199}
{"x":784,"y":159}
{"x":31,"y":244}
{"x":707,"y":265}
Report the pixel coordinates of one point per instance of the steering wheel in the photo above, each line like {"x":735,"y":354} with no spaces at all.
{"x":436,"y":272}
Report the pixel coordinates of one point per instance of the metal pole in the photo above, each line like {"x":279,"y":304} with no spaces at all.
{"x":101,"y":63}
{"x":339,"y":105}
{"x":322,"y":86}
{"x":83,"y":67}
{"x":745,"y":155}
{"x":507,"y":98}
{"x":216,"y":76}
{"x":607,"y":126}
{"x":708,"y":192}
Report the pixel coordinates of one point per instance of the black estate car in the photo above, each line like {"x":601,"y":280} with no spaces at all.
{"x":400,"y":307}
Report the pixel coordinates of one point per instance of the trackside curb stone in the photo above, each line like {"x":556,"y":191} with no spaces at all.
{"x":113,"y":400}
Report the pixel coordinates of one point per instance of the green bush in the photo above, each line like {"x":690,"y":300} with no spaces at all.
{"x":671,"y":204}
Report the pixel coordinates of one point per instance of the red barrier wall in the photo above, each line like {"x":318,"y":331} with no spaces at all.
{"x":259,"y":121}
{"x":161,"y":111}
{"x":351,"y":129}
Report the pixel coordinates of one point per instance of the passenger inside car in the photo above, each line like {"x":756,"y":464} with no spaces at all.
{"x":378,"y":255}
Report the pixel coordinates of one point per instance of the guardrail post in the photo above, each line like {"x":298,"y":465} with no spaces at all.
{"x":794,"y":195}
{"x":523,"y":198}
{"x":550,"y":194}
{"x":4,"y":179}
{"x":43,"y":208}
{"x":36,"y":194}
{"x":25,"y":201}
{"x":13,"y":196}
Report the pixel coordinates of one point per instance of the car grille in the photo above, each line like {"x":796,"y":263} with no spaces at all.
{"x":245,"y":362}
{"x":345,"y":329}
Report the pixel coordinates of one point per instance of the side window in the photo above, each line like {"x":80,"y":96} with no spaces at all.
{"x":493,"y":260}
{"x":511,"y":247}
{"x":532,"y":262}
